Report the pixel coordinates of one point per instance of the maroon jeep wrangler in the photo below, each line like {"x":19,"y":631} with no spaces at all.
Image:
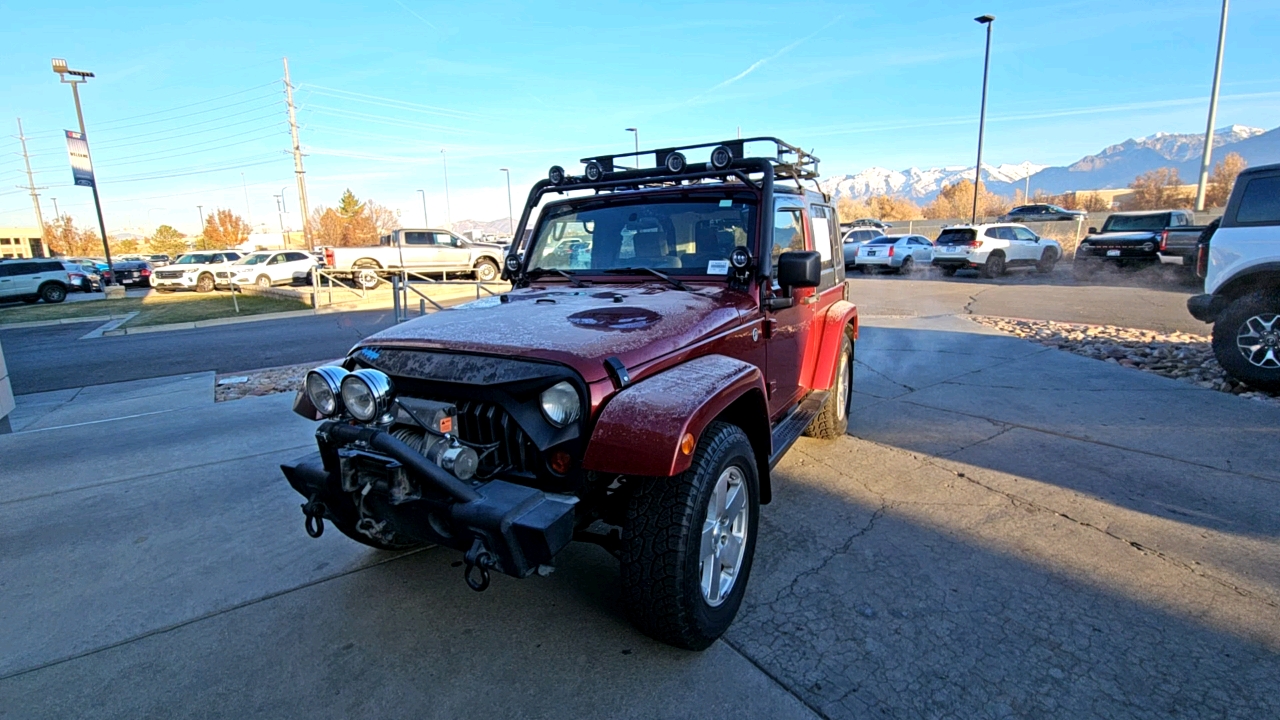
{"x":670,"y":332}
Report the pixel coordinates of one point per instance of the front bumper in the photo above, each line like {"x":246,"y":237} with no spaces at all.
{"x":185,"y":281}
{"x":1206,"y":308}
{"x":370,"y":491}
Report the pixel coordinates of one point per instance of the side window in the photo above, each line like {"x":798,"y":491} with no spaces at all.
{"x":22,"y":268}
{"x":788,"y":233}
{"x":296,"y":256}
{"x":446,"y":240}
{"x":1024,"y":234}
{"x":996,"y":233}
{"x":276,"y":259}
{"x":1260,"y":202}
{"x":417,"y":237}
{"x":825,"y":234}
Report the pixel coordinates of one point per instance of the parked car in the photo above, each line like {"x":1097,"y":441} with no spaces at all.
{"x":133,"y":273}
{"x":871,"y":222}
{"x":649,"y":391}
{"x":1239,"y":260}
{"x":900,"y":253}
{"x":852,"y":239}
{"x":1043,"y":213}
{"x":158,"y":260}
{"x":193,"y":271}
{"x":428,"y":251}
{"x":993,"y":248}
{"x":1138,"y":238}
{"x":82,"y":278}
{"x":34,"y":280}
{"x":267,"y":268}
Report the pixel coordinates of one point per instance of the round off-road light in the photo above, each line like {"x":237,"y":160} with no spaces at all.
{"x":323,"y":386}
{"x":555,"y":174}
{"x":561,"y":404}
{"x":367,"y":394}
{"x":594,"y":171}
{"x":513,"y":263}
{"x":675,"y":162}
{"x":721,"y":157}
{"x":740,"y":257}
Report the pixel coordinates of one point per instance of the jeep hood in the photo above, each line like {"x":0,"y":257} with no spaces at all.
{"x":578,"y":327}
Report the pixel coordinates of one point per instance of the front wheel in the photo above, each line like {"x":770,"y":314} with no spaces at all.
{"x":1047,"y":261}
{"x":204,"y":283}
{"x":486,"y":271}
{"x":263,"y":281}
{"x":1246,"y":340}
{"x":689,"y":540}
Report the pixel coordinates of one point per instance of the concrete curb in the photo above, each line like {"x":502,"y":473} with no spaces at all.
{"x":63,"y":321}
{"x":207,"y":323}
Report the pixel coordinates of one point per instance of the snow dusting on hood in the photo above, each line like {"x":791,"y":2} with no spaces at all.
{"x":580,"y":327}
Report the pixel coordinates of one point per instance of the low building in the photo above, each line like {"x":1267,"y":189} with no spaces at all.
{"x":21,"y":242}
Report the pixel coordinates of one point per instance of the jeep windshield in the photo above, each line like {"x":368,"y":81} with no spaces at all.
{"x":1136,"y":223}
{"x":684,"y":236}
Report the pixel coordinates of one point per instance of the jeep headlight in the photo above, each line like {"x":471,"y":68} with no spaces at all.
{"x":561,"y":404}
{"x":367,"y":394}
{"x":323,"y":386}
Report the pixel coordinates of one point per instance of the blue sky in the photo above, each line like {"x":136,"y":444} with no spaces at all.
{"x":187,"y":98}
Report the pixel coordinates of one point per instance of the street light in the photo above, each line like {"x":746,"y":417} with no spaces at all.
{"x":448,"y":210}
{"x":425,"y":222}
{"x":636,"y":132}
{"x":200,"y":208}
{"x":510,"y":224}
{"x":1213,"y":112}
{"x":987,"y":20}
{"x":284,"y":237}
{"x":74,"y":78}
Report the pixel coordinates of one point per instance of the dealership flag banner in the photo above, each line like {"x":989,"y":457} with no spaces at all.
{"x":81,"y":165}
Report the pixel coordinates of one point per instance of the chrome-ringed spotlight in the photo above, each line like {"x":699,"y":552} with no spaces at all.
{"x":721,"y":157}
{"x":555,"y":174}
{"x":675,"y":162}
{"x":740,"y":258}
{"x":513,"y":263}
{"x":323,"y":386}
{"x":367,"y":394}
{"x":594,"y":171}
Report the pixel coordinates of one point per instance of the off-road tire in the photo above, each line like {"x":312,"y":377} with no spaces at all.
{"x":949,"y":271}
{"x":994,"y":266}
{"x":53,"y":293}
{"x":204,"y":283}
{"x":907,"y":267}
{"x":660,"y":559}
{"x":486,"y":270}
{"x":1263,"y":304}
{"x":1047,"y":261}
{"x":262,"y":281}
{"x":833,"y":420}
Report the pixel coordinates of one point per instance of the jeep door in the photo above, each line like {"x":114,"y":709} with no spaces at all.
{"x":787,"y":329}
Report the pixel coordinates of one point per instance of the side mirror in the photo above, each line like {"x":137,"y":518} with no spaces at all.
{"x":799,"y":268}
{"x":1093,"y":230}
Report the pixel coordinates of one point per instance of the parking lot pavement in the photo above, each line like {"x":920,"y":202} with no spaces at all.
{"x":1008,"y":530}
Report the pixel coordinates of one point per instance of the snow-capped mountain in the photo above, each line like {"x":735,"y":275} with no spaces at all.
{"x":919,"y":183}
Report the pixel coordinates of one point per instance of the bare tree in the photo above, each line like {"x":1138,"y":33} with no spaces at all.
{"x":1158,"y":189}
{"x":1223,"y":178}
{"x":956,"y":201}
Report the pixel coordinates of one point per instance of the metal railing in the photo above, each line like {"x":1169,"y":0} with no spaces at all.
{"x":403,"y":283}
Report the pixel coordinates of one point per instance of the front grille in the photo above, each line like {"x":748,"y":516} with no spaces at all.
{"x":486,"y":423}
{"x":169,"y":274}
{"x":222,"y":274}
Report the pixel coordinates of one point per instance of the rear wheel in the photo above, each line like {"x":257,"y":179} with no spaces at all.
{"x":1246,"y":339}
{"x":366,"y":274}
{"x":908,"y":266}
{"x":994,"y":266}
{"x":689,"y":540}
{"x":53,"y":293}
{"x":833,"y":420}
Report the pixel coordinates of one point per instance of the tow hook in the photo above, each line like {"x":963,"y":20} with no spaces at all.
{"x":314,"y":511}
{"x":478,"y":557}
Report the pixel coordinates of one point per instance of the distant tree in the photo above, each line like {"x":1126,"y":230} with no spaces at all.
{"x":1223,"y":178}
{"x":168,"y":241}
{"x":353,"y":223}
{"x":384,"y":218}
{"x":349,"y":206}
{"x":1089,"y":202}
{"x":1158,"y":189}
{"x":848,"y":209}
{"x":64,"y":238}
{"x":956,"y":201}
{"x":223,"y":229}
{"x":127,"y":246}
{"x":893,"y":207}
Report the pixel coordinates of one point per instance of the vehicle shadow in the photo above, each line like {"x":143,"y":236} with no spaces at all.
{"x":1156,"y":277}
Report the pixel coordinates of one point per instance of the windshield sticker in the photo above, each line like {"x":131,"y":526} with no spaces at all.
{"x":718,"y":267}
{"x":726,"y":203}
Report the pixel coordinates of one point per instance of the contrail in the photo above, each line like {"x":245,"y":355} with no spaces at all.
{"x":411,"y":12}
{"x":764,"y":61}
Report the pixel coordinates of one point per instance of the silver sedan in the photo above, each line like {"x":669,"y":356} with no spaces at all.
{"x":899,"y":253}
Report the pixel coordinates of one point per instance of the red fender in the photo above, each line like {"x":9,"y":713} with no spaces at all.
{"x":640,"y":429}
{"x":839,"y":318}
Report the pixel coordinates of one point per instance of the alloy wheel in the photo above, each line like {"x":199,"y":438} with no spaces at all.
{"x":724,"y":536}
{"x":1259,"y":341}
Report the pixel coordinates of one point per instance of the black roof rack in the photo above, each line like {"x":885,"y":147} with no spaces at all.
{"x":789,"y":161}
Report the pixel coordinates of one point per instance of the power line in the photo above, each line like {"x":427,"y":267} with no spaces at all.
{"x":194,"y":170}
{"x":397,"y":122}
{"x":184,"y":107}
{"x":398,"y":104}
{"x":192,"y":114}
{"x":117,"y":143}
{"x":144,"y":157}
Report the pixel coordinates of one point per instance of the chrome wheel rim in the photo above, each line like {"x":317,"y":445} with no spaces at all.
{"x":724,"y":536}
{"x":1259,"y":341}
{"x":367,"y":278}
{"x":842,"y":391}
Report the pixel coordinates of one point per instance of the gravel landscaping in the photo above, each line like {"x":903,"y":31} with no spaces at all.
{"x":287,"y":378}
{"x":1179,"y":355}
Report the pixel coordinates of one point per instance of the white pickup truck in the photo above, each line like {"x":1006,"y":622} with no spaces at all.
{"x":424,"y":251}
{"x":1240,"y":263}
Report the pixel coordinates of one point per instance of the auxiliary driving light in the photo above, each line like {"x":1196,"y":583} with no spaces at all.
{"x":513,"y":263}
{"x":560,"y":404}
{"x":555,"y":174}
{"x":594,"y":171}
{"x":367,"y":394}
{"x":323,"y":385}
{"x":721,"y":157}
{"x":740,"y":258}
{"x":675,"y":162}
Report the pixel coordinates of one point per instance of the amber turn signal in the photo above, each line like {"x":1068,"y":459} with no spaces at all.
{"x":559,"y":462}
{"x":686,"y":444}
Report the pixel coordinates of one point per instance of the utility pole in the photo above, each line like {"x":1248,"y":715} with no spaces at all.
{"x":1213,"y":112}
{"x":448,"y":210}
{"x":31,"y":183}
{"x":200,"y":209}
{"x":425,"y":223}
{"x":987,"y":20}
{"x":56,"y":214}
{"x":297,"y":160}
{"x":510,"y":219}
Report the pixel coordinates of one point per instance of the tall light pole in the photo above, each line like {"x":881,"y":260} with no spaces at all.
{"x":987,"y":20}
{"x":200,"y":232}
{"x":510,"y":219}
{"x":74,"y":78}
{"x":280,"y":213}
{"x":636,"y":132}
{"x":1213,"y":112}
{"x":425,"y":222}
{"x":448,"y":210}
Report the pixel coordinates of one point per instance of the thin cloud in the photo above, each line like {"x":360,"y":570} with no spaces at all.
{"x":764,"y":61}
{"x":411,"y":12}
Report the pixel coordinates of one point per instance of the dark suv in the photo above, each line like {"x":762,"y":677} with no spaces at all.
{"x":670,"y":333}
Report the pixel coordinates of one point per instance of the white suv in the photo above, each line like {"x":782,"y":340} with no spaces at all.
{"x":993,"y":248}
{"x":33,"y":280}
{"x":193,"y":271}
{"x":267,"y":268}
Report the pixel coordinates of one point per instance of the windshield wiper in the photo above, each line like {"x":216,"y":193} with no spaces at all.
{"x":539,"y":272}
{"x":662,"y":276}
